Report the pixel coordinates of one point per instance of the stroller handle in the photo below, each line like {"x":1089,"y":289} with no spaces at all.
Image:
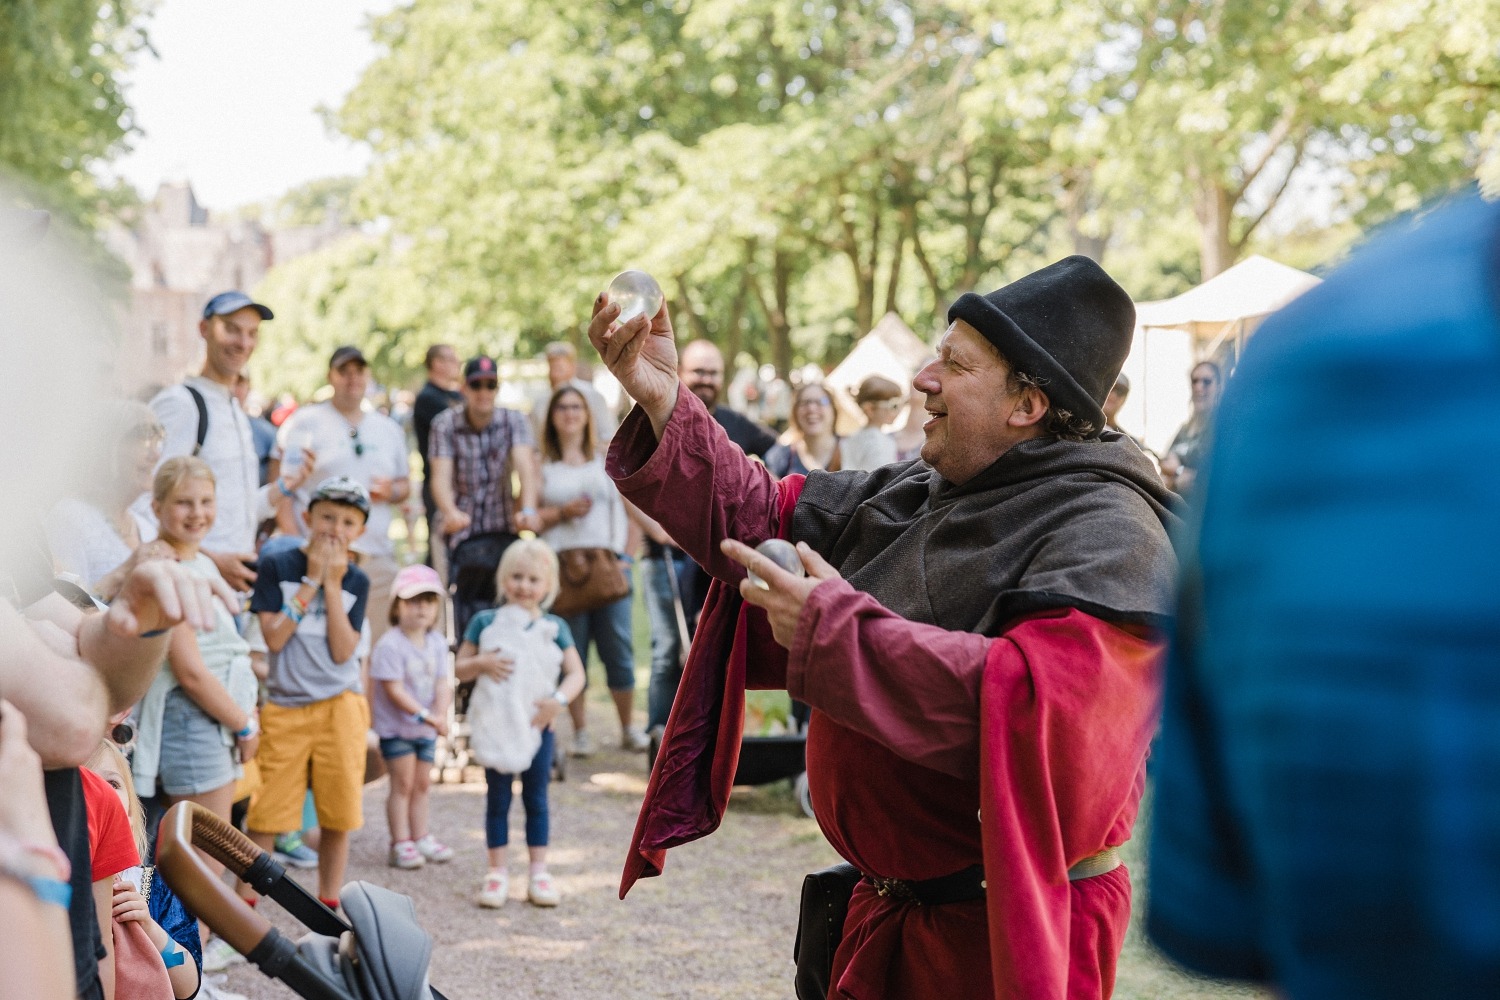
{"x":188,"y":825}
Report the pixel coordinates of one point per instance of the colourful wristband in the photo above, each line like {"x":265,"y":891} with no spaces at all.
{"x":281,"y":485}
{"x":154,"y":633}
{"x":291,"y":612}
{"x":50,"y":890}
{"x":172,"y":956}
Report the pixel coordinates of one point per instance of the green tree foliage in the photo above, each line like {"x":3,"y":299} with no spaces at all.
{"x":790,"y":170}
{"x":1231,"y":105}
{"x":61,"y":108}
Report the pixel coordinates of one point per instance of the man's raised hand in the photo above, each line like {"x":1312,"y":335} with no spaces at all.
{"x":642,"y":354}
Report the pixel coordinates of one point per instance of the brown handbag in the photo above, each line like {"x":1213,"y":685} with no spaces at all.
{"x":588,"y":579}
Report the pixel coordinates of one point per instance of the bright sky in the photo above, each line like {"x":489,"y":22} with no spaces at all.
{"x":231,"y":104}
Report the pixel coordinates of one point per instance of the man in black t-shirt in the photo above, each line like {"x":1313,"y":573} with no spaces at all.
{"x":440,"y":393}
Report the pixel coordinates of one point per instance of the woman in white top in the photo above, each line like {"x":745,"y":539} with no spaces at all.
{"x":810,"y":443}
{"x":581,"y":509}
{"x":93,"y":536}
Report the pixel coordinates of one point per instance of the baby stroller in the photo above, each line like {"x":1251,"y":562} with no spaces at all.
{"x":379,"y":954}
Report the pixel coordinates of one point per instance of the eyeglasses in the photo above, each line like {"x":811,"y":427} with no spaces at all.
{"x":1204,"y":381}
{"x":359,"y":447}
{"x":484,"y":385}
{"x":568,"y":408}
{"x":820,"y":403}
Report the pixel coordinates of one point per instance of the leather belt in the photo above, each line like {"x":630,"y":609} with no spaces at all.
{"x":969,"y":883}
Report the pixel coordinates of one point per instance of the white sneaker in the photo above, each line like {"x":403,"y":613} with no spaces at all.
{"x":543,"y":891}
{"x":212,"y":988}
{"x":433,"y":849}
{"x":219,"y":955}
{"x":635,"y":740}
{"x":583,"y":743}
{"x":405,"y":855}
{"x":496,"y":890}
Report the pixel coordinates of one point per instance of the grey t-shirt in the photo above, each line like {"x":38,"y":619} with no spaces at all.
{"x":305,"y":671}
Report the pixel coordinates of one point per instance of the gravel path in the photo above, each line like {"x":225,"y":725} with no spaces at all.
{"x":720,"y":923}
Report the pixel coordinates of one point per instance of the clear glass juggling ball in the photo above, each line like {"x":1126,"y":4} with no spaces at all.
{"x":636,"y":293}
{"x":784,"y":554}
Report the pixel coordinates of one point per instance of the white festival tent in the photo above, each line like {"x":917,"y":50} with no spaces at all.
{"x":1212,"y":320}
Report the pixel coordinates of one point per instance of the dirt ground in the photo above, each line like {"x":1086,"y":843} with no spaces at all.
{"x":719,"y":924}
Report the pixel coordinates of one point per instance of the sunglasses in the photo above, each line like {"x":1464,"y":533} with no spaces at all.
{"x":122,"y":735}
{"x":359,"y":447}
{"x":484,"y":385}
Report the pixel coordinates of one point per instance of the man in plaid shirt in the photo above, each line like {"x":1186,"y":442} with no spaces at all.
{"x":474,"y":449}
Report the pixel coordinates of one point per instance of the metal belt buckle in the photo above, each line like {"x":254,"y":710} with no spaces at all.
{"x":893,"y":888}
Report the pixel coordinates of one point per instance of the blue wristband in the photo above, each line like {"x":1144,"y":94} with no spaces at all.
{"x":154,"y":633}
{"x":172,"y":956}
{"x":284,"y":491}
{"x":292,"y":613}
{"x":51,"y":890}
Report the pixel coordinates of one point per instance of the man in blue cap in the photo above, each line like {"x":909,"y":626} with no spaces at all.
{"x":203,"y":418}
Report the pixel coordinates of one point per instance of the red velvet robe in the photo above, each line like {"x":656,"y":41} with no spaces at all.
{"x":916,"y":731}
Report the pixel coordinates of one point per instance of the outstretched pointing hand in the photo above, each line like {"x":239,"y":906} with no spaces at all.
{"x":642,"y":354}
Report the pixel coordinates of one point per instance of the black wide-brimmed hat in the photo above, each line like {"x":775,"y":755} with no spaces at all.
{"x":1069,"y":324}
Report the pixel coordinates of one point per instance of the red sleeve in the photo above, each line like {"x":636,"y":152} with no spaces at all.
{"x":1068,"y":705}
{"x":912,"y":688}
{"x":111,"y":844}
{"x":696,"y":483}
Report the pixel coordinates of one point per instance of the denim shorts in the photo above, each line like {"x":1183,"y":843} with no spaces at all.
{"x":392,"y":747}
{"x":194,"y":757}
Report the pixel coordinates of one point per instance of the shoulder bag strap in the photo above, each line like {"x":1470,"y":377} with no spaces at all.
{"x":199,"y":402}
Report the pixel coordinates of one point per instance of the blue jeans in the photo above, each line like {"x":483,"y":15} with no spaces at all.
{"x":609,"y":630}
{"x":666,"y":643}
{"x":534,"y":783}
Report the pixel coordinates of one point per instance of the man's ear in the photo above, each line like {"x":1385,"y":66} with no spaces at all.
{"x":307,"y":517}
{"x":1030,"y":408}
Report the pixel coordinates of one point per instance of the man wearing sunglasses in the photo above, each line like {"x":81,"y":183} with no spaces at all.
{"x":346,"y":440}
{"x":474,"y":449}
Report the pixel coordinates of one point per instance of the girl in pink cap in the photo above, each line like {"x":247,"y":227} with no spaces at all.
{"x":413,"y":690}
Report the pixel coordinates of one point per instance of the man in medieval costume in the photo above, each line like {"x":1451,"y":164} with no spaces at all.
{"x":978,"y":635}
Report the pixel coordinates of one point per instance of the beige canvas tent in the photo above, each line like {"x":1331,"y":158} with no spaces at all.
{"x":1227,"y":308}
{"x":1213,"y":321}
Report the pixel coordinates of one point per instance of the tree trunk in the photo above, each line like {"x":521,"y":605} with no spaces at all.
{"x":683,"y":307}
{"x":893,"y":276}
{"x":1076,"y":205}
{"x":781,"y":327}
{"x":1214,"y":206}
{"x":734,"y":335}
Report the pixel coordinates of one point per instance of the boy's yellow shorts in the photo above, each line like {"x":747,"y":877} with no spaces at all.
{"x":322,"y":744}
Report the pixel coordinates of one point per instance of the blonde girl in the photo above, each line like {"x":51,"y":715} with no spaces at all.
{"x":507,"y":647}
{"x":143,"y":897}
{"x":198,"y":723}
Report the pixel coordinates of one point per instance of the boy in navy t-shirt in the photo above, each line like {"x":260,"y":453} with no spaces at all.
{"x":311,"y":603}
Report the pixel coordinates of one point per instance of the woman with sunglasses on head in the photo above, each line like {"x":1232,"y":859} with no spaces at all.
{"x":811,"y":443}
{"x":1185,"y":455}
{"x":582,"y":510}
{"x":96,"y":537}
{"x":198,"y":724}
